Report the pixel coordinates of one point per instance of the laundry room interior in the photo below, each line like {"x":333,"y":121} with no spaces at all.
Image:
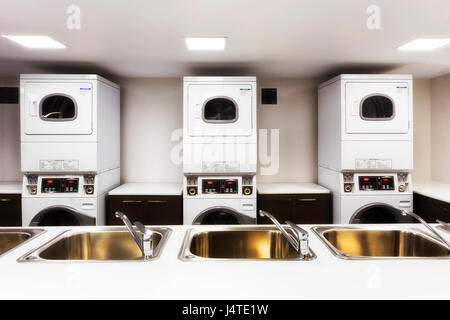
{"x":158,"y":100}
{"x":305,"y":136}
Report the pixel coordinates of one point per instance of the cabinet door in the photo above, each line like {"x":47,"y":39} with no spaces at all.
{"x":431,"y":209}
{"x":150,"y":210}
{"x":311,"y":209}
{"x":10,"y":210}
{"x":131,"y":206}
{"x":280,"y":206}
{"x":164,"y":210}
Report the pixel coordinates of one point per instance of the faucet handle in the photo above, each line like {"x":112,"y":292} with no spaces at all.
{"x":303,"y":238}
{"x":304,"y":234}
{"x":445,"y":225}
{"x":145,"y":232}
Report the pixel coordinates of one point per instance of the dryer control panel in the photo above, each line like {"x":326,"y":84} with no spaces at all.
{"x":369,"y":183}
{"x":59,"y":185}
{"x":220,"y":186}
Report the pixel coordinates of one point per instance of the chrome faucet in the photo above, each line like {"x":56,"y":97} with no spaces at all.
{"x":437,"y":236}
{"x":443,"y":224}
{"x":145,"y":242}
{"x":300,"y":241}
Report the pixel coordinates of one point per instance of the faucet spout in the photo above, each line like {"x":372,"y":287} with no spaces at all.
{"x":437,"y":236}
{"x":145,"y":242}
{"x":301,"y":240}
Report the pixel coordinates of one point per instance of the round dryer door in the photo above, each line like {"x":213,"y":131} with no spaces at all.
{"x":61,"y":216}
{"x":222,"y":215}
{"x":379,"y":213}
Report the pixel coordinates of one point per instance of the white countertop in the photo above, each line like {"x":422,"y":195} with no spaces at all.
{"x":148,"y":189}
{"x":326,"y":277}
{"x":433,"y":189}
{"x":290,"y":188}
{"x":11,"y":187}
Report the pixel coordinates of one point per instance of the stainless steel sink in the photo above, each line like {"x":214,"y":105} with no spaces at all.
{"x":104,"y":244}
{"x":238,"y":243}
{"x":11,"y":238}
{"x":379,"y":243}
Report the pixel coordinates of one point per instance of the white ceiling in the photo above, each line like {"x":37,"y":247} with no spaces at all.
{"x":283,"y":38}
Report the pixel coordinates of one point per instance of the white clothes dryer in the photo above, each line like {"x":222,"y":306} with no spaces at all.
{"x":69,"y":123}
{"x":366,"y":123}
{"x":219,"y":125}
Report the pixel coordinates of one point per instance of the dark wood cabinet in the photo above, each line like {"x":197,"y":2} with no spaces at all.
{"x":150,"y":210}
{"x":298,"y":208}
{"x":10,"y":210}
{"x":431,"y":209}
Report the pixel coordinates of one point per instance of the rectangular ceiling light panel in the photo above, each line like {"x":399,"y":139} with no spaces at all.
{"x":200,"y":43}
{"x":36,"y":42}
{"x":424,"y":44}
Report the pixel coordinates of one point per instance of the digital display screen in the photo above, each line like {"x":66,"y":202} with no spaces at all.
{"x":220,"y":186}
{"x":369,"y":183}
{"x":59,"y":185}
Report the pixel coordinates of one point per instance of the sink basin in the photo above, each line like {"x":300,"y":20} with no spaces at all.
{"x":376,"y":243}
{"x":106,"y":244}
{"x":232,"y":243}
{"x":11,"y":238}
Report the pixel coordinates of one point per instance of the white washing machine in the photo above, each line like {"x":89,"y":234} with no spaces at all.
{"x":366,"y":123}
{"x":368,"y":197}
{"x":374,"y":209}
{"x":66,"y":199}
{"x":219,"y":125}
{"x":219,"y":200}
{"x":69,"y":123}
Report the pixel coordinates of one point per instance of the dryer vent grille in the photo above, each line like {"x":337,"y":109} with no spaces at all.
{"x":269,"y":96}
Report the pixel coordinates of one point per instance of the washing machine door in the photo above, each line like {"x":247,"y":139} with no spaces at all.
{"x":379,"y":213}
{"x":222,"y":215}
{"x":61,"y":216}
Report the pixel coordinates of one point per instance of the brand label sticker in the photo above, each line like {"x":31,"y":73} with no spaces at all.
{"x":244,"y":91}
{"x":85,"y":90}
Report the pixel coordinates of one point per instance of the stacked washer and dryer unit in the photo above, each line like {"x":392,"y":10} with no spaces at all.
{"x":366,"y":146}
{"x":70,"y":148}
{"x":219,"y":150}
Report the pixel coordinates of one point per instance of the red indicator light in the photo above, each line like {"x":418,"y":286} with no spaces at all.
{"x":49,"y":181}
{"x":222,"y":186}
{"x":210,"y":182}
{"x":70,"y":181}
{"x":366,"y":179}
{"x":385,"y":179}
{"x":230,"y":182}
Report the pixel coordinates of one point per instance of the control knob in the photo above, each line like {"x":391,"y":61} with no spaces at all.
{"x":348,"y":187}
{"x":192,"y":191}
{"x":247,"y":190}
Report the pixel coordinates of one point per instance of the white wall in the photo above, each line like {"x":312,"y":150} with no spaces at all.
{"x":151,"y":109}
{"x":9,"y":138}
{"x":440,"y":128}
{"x":296,"y":118}
{"x":422,"y":130}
